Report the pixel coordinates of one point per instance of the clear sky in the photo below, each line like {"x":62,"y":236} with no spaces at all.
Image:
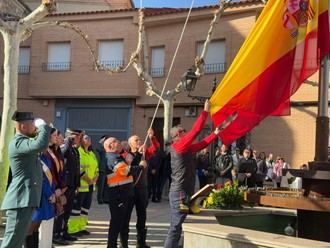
{"x":173,"y":3}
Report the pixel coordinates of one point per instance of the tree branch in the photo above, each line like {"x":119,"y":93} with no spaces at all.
{"x":151,"y":88}
{"x":135,"y":55}
{"x":47,"y":7}
{"x":4,"y":25}
{"x":72,"y":27}
{"x":199,"y":61}
{"x":147,"y":79}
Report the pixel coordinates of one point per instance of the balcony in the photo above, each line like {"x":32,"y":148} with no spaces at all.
{"x":112,"y":64}
{"x":215,"y":68}
{"x":57,"y":66}
{"x":23,"y":69}
{"x":157,"y":72}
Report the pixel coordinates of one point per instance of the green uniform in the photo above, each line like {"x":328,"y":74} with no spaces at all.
{"x":24,"y":191}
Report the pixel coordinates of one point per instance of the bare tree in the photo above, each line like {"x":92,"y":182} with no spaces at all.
{"x":167,"y":98}
{"x":14,"y":29}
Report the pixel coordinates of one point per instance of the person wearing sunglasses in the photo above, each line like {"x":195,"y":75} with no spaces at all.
{"x":183,"y":174}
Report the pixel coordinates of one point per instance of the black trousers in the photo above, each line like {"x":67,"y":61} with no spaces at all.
{"x":61,"y":222}
{"x":120,"y":203}
{"x":140,"y":202}
{"x":152,"y":185}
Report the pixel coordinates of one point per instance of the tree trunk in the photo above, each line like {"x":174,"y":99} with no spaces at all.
{"x":168,"y":117}
{"x":11,"y":48}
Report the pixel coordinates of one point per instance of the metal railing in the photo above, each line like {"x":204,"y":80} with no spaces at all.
{"x":23,"y":69}
{"x":57,"y":66}
{"x":112,"y":64}
{"x":215,"y":68}
{"x":157,"y":72}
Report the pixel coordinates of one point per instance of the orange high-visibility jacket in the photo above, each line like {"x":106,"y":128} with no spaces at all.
{"x":120,"y":171}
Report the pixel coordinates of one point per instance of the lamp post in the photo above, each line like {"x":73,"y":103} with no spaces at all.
{"x":189,"y":80}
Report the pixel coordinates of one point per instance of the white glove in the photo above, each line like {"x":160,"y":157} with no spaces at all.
{"x":39,"y":122}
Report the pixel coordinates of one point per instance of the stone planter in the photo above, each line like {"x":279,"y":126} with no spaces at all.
{"x":203,"y":230}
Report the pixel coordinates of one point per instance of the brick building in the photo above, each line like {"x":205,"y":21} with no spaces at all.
{"x":57,"y":80}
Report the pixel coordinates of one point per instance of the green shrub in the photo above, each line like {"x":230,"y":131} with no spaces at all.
{"x":227,"y":196}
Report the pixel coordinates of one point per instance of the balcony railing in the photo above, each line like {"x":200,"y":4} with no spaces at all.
{"x":57,"y":66}
{"x":112,"y":64}
{"x":23,"y":69}
{"x":157,"y":72}
{"x":215,"y":68}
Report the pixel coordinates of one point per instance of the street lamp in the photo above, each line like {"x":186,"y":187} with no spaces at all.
{"x":189,"y":80}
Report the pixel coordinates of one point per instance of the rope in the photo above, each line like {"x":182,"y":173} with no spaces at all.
{"x":170,"y":69}
{"x":168,"y":75}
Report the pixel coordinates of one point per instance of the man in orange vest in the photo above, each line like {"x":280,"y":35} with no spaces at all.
{"x":121,"y":188}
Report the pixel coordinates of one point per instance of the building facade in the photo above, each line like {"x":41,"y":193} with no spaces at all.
{"x":71,"y":6}
{"x":59,"y":83}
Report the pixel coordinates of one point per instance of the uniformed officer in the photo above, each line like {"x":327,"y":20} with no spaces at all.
{"x":72,"y":181}
{"x":24,"y":192}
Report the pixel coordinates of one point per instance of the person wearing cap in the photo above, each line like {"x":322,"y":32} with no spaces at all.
{"x":77,"y":224}
{"x":120,"y":188}
{"x":24,"y":192}
{"x":183,"y":174}
{"x":72,"y":181}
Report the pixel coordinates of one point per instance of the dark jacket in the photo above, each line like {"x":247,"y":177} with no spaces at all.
{"x":183,"y":172}
{"x":102,"y":192}
{"x":139,"y":181}
{"x":71,"y":164}
{"x":224,"y":164}
{"x":261,"y":170}
{"x":247,"y":166}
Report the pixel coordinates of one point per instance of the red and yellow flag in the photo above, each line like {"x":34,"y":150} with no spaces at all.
{"x":283,"y":49}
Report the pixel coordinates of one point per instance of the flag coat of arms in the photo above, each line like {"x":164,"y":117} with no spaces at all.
{"x":283,"y":49}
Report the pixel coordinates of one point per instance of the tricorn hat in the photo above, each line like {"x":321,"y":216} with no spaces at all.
{"x":22,"y":116}
{"x":73,"y":131}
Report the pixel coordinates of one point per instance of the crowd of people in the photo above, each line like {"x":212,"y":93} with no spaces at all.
{"x":247,"y":168}
{"x":53,"y":179}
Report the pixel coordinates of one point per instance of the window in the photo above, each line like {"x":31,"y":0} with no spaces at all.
{"x":157,"y":62}
{"x":59,"y":57}
{"x":24,"y":60}
{"x":215,"y":60}
{"x":111,"y":53}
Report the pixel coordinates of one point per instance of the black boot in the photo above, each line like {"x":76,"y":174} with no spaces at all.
{"x":29,"y":242}
{"x":35,"y":240}
{"x":141,"y":239}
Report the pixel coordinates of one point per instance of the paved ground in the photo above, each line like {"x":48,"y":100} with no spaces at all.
{"x":157,"y":222}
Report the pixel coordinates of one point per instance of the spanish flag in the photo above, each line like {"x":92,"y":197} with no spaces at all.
{"x":283,"y":49}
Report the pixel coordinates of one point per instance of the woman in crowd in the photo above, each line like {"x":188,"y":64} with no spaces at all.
{"x":261,"y":169}
{"x":203,"y":164}
{"x":277,"y":171}
{"x":54,"y":154}
{"x":46,"y":211}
